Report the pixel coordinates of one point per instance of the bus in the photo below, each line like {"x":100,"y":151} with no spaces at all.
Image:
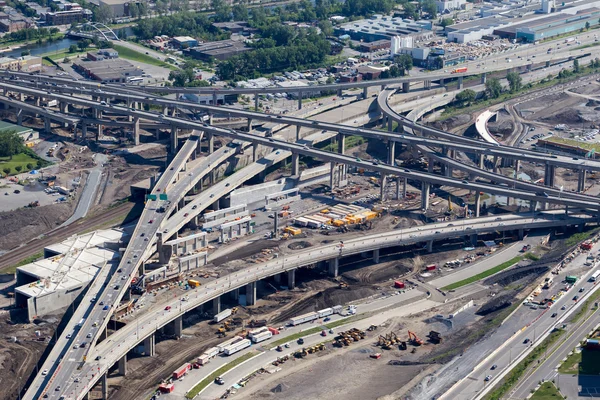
{"x":136,"y":79}
{"x":571,"y":279}
{"x":595,"y":276}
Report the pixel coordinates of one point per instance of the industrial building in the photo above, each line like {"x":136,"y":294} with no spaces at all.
{"x":53,"y":283}
{"x":295,"y":84}
{"x":183,"y":42}
{"x":24,"y":63}
{"x":381,"y":27}
{"x":69,"y":17}
{"x":114,"y":70}
{"x":27,"y":134}
{"x":445,"y":6}
{"x":221,"y":50}
{"x":238,"y":27}
{"x":118,"y":7}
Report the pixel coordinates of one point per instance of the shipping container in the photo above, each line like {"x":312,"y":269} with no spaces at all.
{"x":325,"y":312}
{"x":274,"y":331}
{"x":399,"y":285}
{"x":261,"y":337}
{"x":193,"y":283}
{"x":181,"y":371}
{"x":204,"y":359}
{"x":300,"y":221}
{"x":222,"y":315}
{"x":292,"y":231}
{"x":337,"y":309}
{"x":234,"y":348}
{"x":431,"y":267}
{"x":303,"y":318}
{"x":166,"y":388}
{"x":221,"y":346}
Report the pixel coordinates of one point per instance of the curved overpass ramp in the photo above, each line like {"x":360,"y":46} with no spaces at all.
{"x":481,"y":126}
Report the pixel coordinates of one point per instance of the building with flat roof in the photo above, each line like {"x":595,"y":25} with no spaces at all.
{"x":24,"y":63}
{"x":53,"y":283}
{"x":445,"y":6}
{"x":68,"y":17}
{"x":107,"y":70}
{"x":380,"y":27}
{"x":221,"y":50}
{"x":118,"y":7}
{"x":27,"y":134}
{"x":184,"y":41}
{"x":239,"y":27}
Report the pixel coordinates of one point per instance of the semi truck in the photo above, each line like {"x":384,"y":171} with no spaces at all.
{"x":221,"y":347}
{"x":208,"y":355}
{"x":181,"y":371}
{"x":234,"y":348}
{"x":261,"y":337}
{"x":303,"y":318}
{"x":459,"y":70}
{"x":222,"y":315}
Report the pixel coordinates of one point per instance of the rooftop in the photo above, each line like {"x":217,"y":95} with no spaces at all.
{"x":8,"y":126}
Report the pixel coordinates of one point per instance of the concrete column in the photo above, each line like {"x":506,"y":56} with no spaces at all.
{"x":581,"y":180}
{"x":178,"y":326}
{"x":430,"y":246}
{"x":333,"y":267}
{"x":521,"y":234}
{"x":365,"y":92}
{"x":256,"y":101}
{"x":430,"y":165}
{"x":480,"y":160}
{"x":173,"y":139}
{"x":251,"y":294}
{"x":215,"y":98}
{"x":332,"y":176}
{"x":495,"y":164}
{"x":376,"y":256}
{"x":291,"y":278}
{"x":299,"y":100}
{"x":123,"y":366}
{"x":473,"y":239}
{"x":99,"y":132}
{"x":398,"y":188}
{"x":216,"y":305}
{"x":339,"y":93}
{"x":249,"y":124}
{"x":483,"y":78}
{"x":382,"y":187}
{"x":425,"y":195}
{"x":20,"y":116}
{"x":47,"y":125}
{"x":405,"y":183}
{"x":136,"y":131}
{"x":211,"y":143}
{"x":104,"y":382}
{"x":254,"y":151}
{"x":477,"y":203}
{"x":406,"y":87}
{"x":298,"y":129}
{"x":149,"y":346}
{"x":460,"y":82}
{"x":341,"y":143}
{"x":517,"y":167}
{"x":390,"y":124}
{"x":391,"y":152}
{"x":295,"y":164}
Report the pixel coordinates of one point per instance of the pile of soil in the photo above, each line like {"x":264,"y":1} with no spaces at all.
{"x":452,"y":122}
{"x":299,"y":245}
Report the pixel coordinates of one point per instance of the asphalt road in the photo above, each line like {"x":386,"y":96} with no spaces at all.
{"x":89,"y":191}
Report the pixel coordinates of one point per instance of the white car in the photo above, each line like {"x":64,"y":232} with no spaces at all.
{"x":69,"y":336}
{"x":45,"y":372}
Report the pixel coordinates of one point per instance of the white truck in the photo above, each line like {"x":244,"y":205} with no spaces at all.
{"x":325,"y":312}
{"x":234,"y":348}
{"x":303,"y":318}
{"x":222,"y":315}
{"x":208,"y":355}
{"x":261,"y":337}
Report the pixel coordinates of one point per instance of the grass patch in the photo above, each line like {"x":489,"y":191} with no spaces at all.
{"x":209,"y":379}
{"x":575,"y":143}
{"x":127,"y":53}
{"x":547,"y":392}
{"x":571,"y":364}
{"x":576,"y":238}
{"x":484,"y":274}
{"x":532,"y":257}
{"x":587,"y":305}
{"x":13,"y":268}
{"x":21,"y":159}
{"x":58,"y":56}
{"x":351,"y":141}
{"x":586,"y":362}
{"x":520,"y":369}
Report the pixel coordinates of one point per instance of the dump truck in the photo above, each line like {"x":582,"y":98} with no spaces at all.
{"x":193,"y":283}
{"x":434,"y":337}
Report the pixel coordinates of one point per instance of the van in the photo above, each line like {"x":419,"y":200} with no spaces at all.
{"x":102,"y":103}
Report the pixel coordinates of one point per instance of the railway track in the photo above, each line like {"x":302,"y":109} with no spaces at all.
{"x":36,"y":245}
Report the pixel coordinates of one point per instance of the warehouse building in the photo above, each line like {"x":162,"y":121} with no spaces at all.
{"x":381,"y":27}
{"x":221,"y":50}
{"x":114,"y":70}
{"x":183,"y":42}
{"x":24,"y":63}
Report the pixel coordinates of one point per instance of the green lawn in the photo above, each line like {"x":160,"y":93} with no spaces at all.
{"x":209,"y":379}
{"x":575,"y":143}
{"x":13,"y":268}
{"x":127,"y":53}
{"x":586,"y":362}
{"x":484,"y":274}
{"x":60,"y":55}
{"x":571,"y":364}
{"x":21,"y":159}
{"x":547,"y":392}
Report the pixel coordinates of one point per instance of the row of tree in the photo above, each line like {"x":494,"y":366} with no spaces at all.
{"x":10,"y":144}
{"x":185,"y":23}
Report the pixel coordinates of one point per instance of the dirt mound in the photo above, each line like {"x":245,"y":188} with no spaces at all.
{"x":568,"y":116}
{"x":495,"y":304}
{"x":452,"y":122}
{"x":592,"y":103}
{"x":282,"y":387}
{"x":299,"y":245}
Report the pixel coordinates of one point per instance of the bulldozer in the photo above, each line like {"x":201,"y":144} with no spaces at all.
{"x":414,"y":339}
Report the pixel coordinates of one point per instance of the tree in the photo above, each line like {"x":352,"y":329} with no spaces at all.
{"x":576,"y":67}
{"x":404,"y":63}
{"x":514,"y":81}
{"x":29,"y":166}
{"x":73,"y":48}
{"x":83,"y":44}
{"x":222,"y":10}
{"x":18,"y":168}
{"x":240,"y":12}
{"x":587,"y":25}
{"x":10,"y":143}
{"x":326,"y":27}
{"x":6,"y":171}
{"x":410,"y":11}
{"x":466,"y":96}
{"x":493,"y":88}
{"x":39,"y":163}
{"x":430,"y":8}
{"x":103,"y":13}
{"x":446,"y":22}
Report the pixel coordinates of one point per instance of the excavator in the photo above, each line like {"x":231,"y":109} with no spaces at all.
{"x":414,"y":339}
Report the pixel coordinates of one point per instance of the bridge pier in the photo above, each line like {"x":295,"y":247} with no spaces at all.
{"x":333,"y":267}
{"x":216,"y":305}
{"x":405,"y":87}
{"x":427,"y":84}
{"x":83,"y":130}
{"x":425,"y":196}
{"x":299,"y":100}
{"x":341,"y":143}
{"x":430,"y":246}
{"x":295,"y":164}
{"x":251,"y":294}
{"x":339,"y":93}
{"x":532,"y":204}
{"x":382,"y":187}
{"x":390,"y":124}
{"x":365,"y":92}
{"x":99,"y":132}
{"x":549,"y":175}
{"x":255,"y":101}
{"x":136,"y":131}
{"x":254,"y":151}
{"x":376,"y":256}
{"x":249,"y":127}
{"x":460,"y":82}
{"x":298,"y":129}
{"x":20,"y":116}
{"x":47,"y":125}
{"x":104,"y":383}
{"x":173,"y":139}
{"x":215,"y":100}
{"x":581,"y":180}
{"x":477,"y":203}
{"x":483,"y":78}
{"x":480,"y":161}
{"x":291,"y":279}
{"x":150,"y":346}
{"x":391,"y":152}
{"x":521,"y":234}
{"x":177,"y":326}
{"x":123,"y":365}
{"x":332,"y":175}
{"x":473,"y":239}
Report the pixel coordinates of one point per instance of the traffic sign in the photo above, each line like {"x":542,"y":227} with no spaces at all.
{"x":162,"y":196}
{"x":151,"y":197}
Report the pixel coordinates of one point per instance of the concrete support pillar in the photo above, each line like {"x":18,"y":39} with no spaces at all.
{"x":216,"y":305}
{"x":581,"y":180}
{"x":104,"y":382}
{"x":430,"y":246}
{"x":83,"y":130}
{"x":211,"y":143}
{"x":47,"y":125}
{"x":332,"y":176}
{"x":123,"y":366}
{"x":483,"y":78}
{"x":333,"y":267}
{"x":256,"y":101}
{"x":365,"y":92}
{"x":178,"y":326}
{"x":521,"y":234}
{"x":398,"y":188}
{"x":298,"y":129}
{"x":251,"y":294}
{"x":517,"y":167}
{"x":149,"y":346}
{"x":390,"y":124}
{"x":215,"y":99}
{"x":173,"y":139}
{"x":291,"y":278}
{"x":405,"y":87}
{"x":480,"y":160}
{"x":339,"y":93}
{"x":299,"y":100}
{"x":391,"y":152}
{"x":249,"y":124}
{"x":495,"y":164}
{"x":430,"y":165}
{"x":136,"y":131}
{"x":254,"y":151}
{"x":425,"y":196}
{"x":376,"y":256}
{"x":20,"y":116}
{"x":341,"y":143}
{"x":460,"y":82}
{"x":99,"y":132}
{"x":473,"y":239}
{"x":382,"y":188}
{"x":532,"y":205}
{"x":295,"y":164}
{"x":477,"y":203}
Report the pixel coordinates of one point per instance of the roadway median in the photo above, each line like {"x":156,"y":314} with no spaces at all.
{"x":483,"y":274}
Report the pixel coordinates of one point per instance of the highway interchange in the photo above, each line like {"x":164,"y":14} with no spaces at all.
{"x":140,"y":248}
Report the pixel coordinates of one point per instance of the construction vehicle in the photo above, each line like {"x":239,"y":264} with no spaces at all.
{"x":372,"y":328}
{"x":402,"y":346}
{"x":376,"y":356}
{"x":414,"y":339}
{"x":257,"y":323}
{"x":34,"y":204}
{"x":434,"y":337}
